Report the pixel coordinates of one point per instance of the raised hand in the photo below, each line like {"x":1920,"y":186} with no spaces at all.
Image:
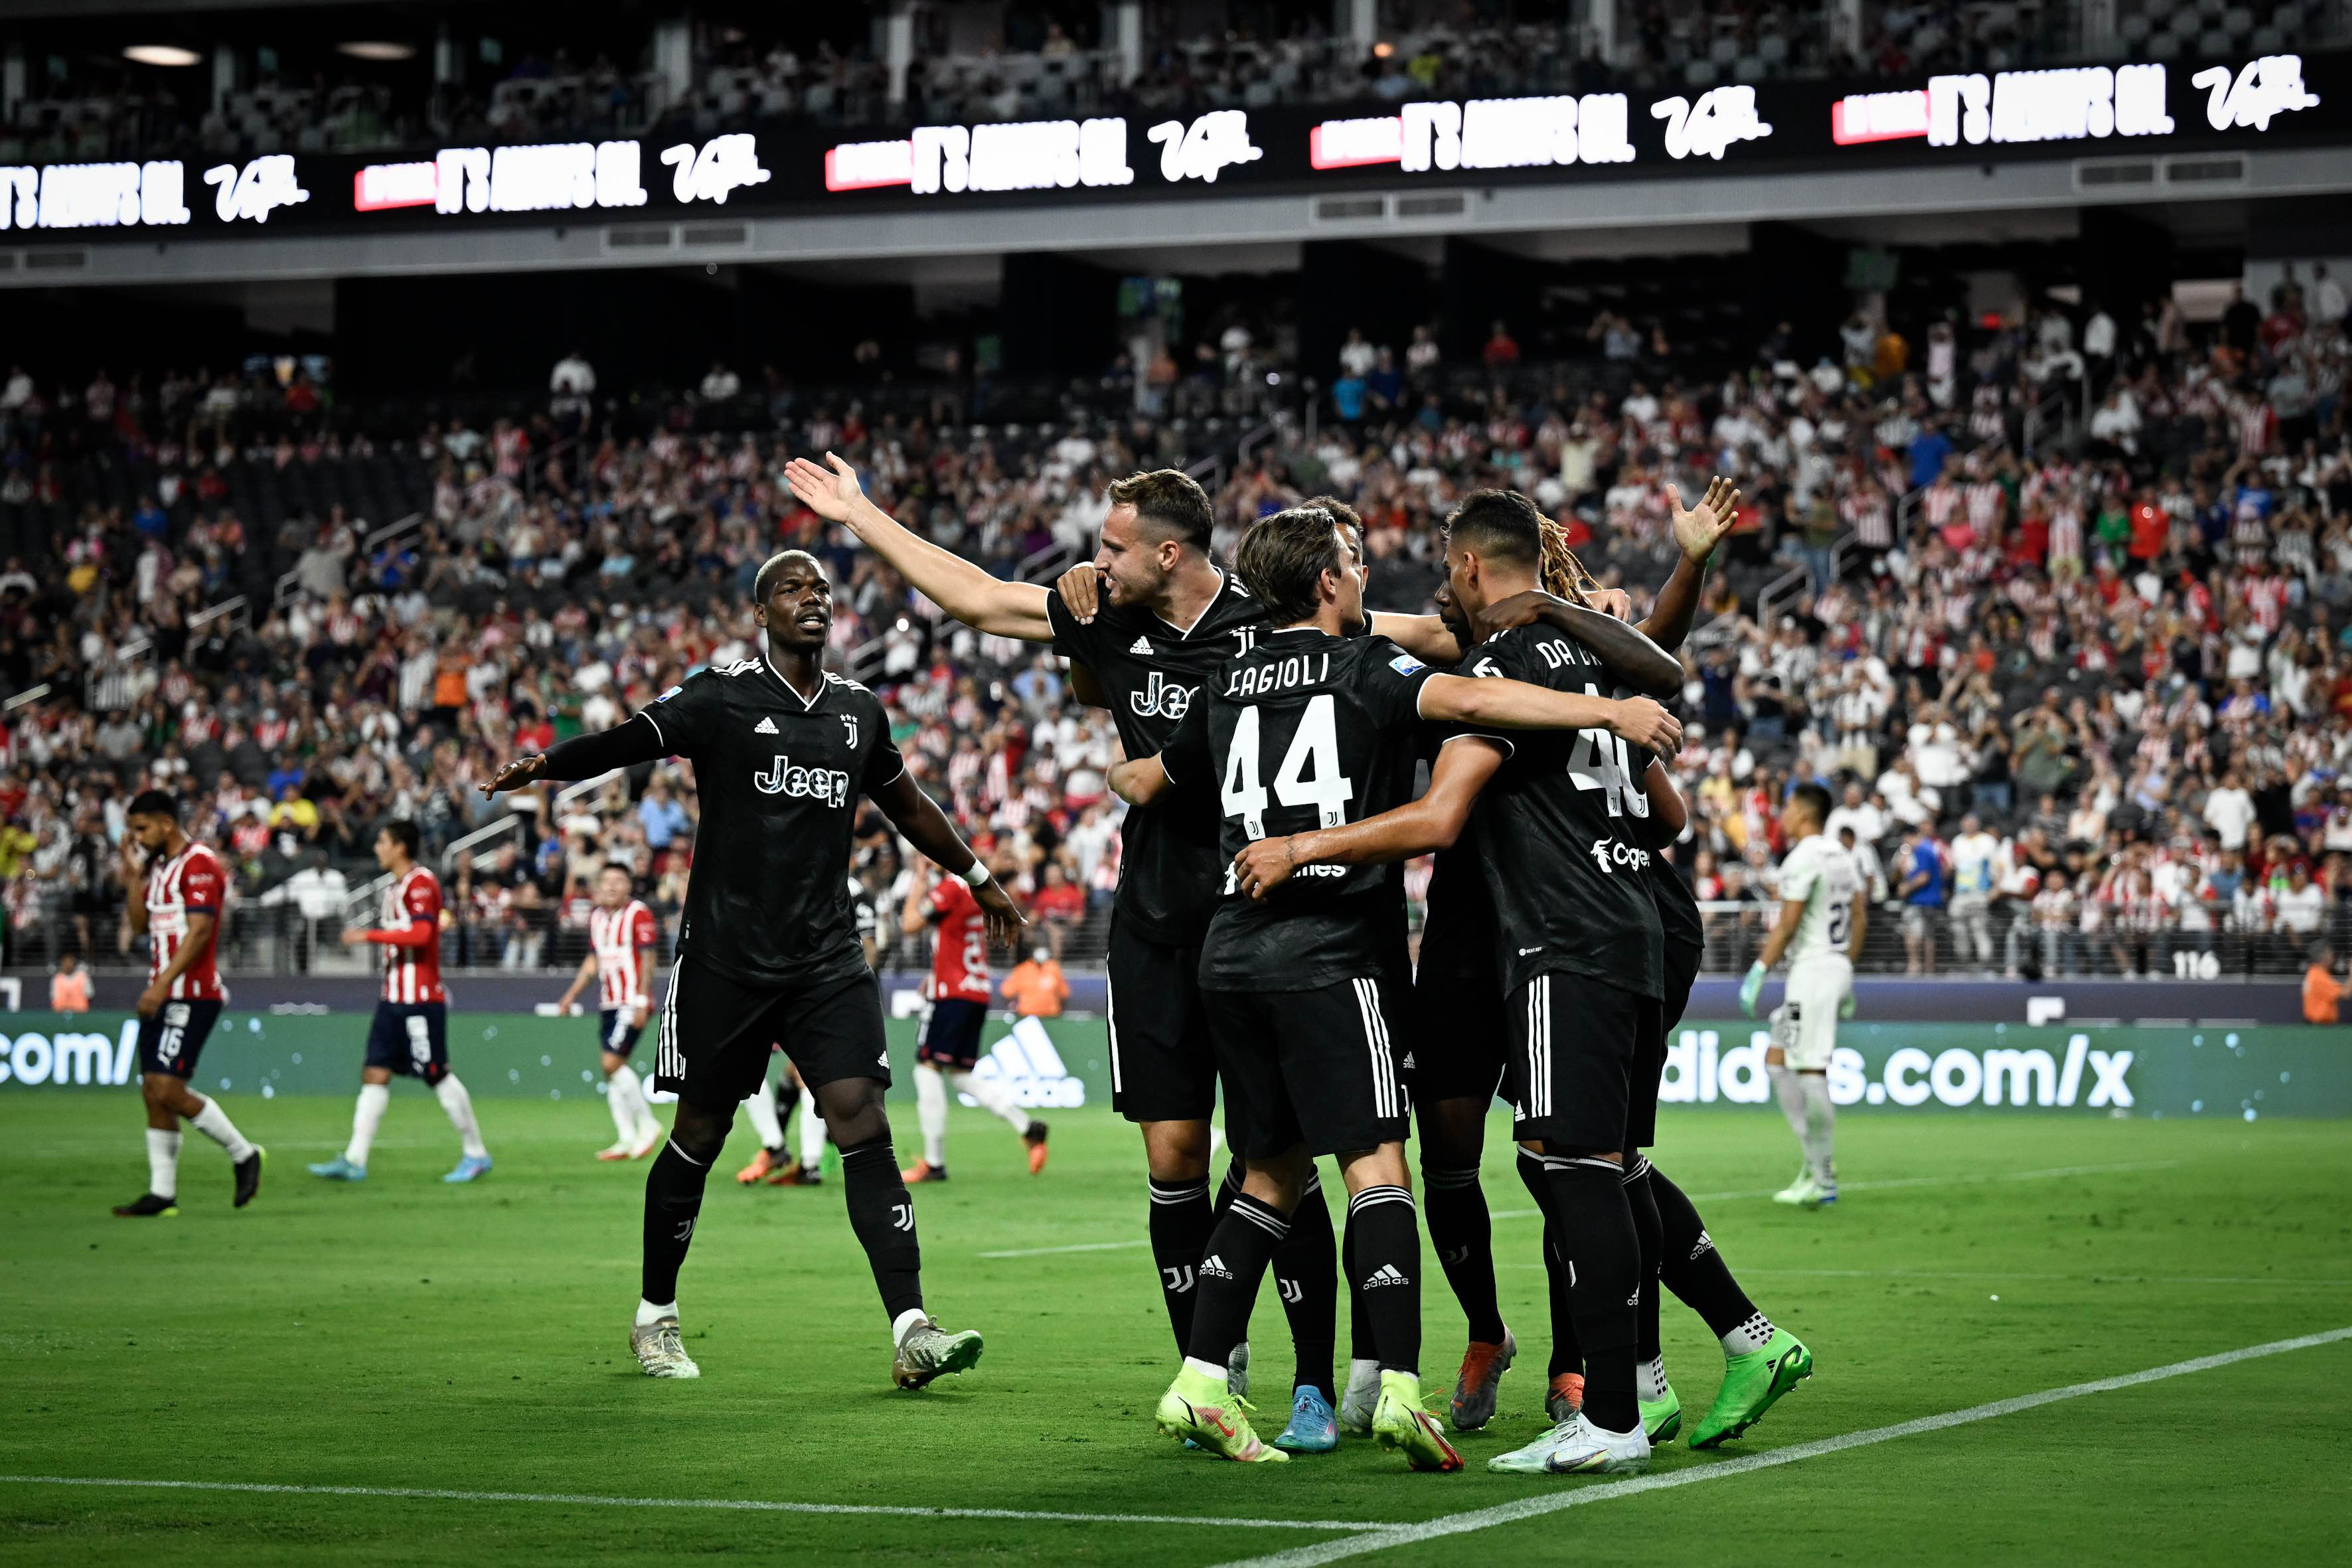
{"x":1699,"y":529}
{"x":832,"y":492}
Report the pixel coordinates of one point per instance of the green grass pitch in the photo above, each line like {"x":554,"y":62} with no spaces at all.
{"x":403,"y":1335}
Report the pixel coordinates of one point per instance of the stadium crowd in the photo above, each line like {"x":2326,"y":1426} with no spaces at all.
{"x":2078,"y":681}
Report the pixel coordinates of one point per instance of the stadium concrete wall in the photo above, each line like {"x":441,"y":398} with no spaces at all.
{"x":1881,"y":1067}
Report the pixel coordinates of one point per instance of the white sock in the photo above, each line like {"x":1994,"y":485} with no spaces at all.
{"x":1792,"y":1095}
{"x":905,"y":1322}
{"x":214,"y":1123}
{"x":163,"y":1163}
{"x":366,"y":1117}
{"x":993,"y":1095}
{"x":648,"y":1313}
{"x":1750,"y":1336}
{"x":460,"y":1107}
{"x":931,"y":1110}
{"x":1650,"y":1378}
{"x":1205,"y":1368}
{"x":1821,"y":1125}
{"x":812,"y":1130}
{"x":627,"y":1100}
{"x":760,"y":1107}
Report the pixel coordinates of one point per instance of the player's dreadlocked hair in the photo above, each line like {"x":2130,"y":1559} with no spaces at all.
{"x":1560,"y":572}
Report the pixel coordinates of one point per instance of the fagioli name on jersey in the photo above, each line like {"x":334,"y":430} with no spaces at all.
{"x":1298,"y":670}
{"x":830,"y":785}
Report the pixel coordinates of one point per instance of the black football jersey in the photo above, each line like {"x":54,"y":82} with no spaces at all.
{"x":1304,"y":731}
{"x":779,"y":777}
{"x":1570,"y":884}
{"x":1169,"y":866}
{"x":1678,"y":914}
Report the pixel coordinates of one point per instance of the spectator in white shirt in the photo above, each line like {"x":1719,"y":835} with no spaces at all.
{"x":721,"y":384}
{"x":2229,"y":811}
{"x":1976,"y":872}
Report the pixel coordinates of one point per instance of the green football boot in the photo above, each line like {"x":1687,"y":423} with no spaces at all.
{"x":1753,"y":1384}
{"x":1662,"y":1419}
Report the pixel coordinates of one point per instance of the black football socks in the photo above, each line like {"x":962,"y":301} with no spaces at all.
{"x":1464,"y":1237}
{"x":882,"y":1213}
{"x":1181,"y":1218}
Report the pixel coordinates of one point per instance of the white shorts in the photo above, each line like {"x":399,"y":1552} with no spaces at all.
{"x":1804,"y":1026}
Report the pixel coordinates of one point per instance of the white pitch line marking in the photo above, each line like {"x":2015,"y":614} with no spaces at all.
{"x":742,"y":1505}
{"x":1537,"y":1507}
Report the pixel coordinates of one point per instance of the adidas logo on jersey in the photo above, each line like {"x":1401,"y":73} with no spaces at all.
{"x":764,"y":727}
{"x":1026,"y":1063}
{"x":1140,"y":645}
{"x":1214,"y":1268}
{"x":1407,"y":1063}
{"x":1386,"y":1274}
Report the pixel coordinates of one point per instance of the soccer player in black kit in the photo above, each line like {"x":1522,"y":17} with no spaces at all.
{"x":1307,"y":727}
{"x":768,"y":950}
{"x":1559,"y":803}
{"x":1167,"y":617}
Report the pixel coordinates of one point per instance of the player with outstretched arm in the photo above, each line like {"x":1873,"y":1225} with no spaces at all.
{"x":768,"y":949}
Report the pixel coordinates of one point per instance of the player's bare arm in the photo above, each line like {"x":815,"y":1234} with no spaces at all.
{"x":1669,"y":815}
{"x":1517,"y":705}
{"x":625,"y":745}
{"x":1433,"y":821}
{"x":1783,"y":931}
{"x":1698,"y":532}
{"x":1140,"y":781}
{"x":987,"y":603}
{"x":1860,"y":924}
{"x":134,"y":883}
{"x":1625,"y":650}
{"x":198,"y":942}
{"x":579,"y":980}
{"x":926,"y":827}
{"x":1087,"y":687}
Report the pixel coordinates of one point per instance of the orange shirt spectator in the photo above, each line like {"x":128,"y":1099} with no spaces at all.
{"x":1036,"y":987}
{"x":69,"y":987}
{"x":2321,"y":991}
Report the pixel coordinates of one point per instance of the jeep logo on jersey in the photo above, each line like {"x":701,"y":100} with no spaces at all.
{"x":1026,"y":1063}
{"x":1611,"y":853}
{"x":1161,"y":699}
{"x":830,"y":785}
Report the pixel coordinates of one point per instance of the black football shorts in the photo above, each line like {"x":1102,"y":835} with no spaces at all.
{"x":1456,"y":1032}
{"x":1308,"y":1067}
{"x":1163,"y":1066}
{"x":170,"y":1041}
{"x":717,"y":1033}
{"x":617,"y":1030}
{"x":411,"y":1038}
{"x":1585,"y":1061}
{"x":949,"y":1039}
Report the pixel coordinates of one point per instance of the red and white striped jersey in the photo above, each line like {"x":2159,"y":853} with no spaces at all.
{"x":414,"y":974}
{"x":960,"y":964}
{"x":618,"y":937}
{"x":189,"y":883}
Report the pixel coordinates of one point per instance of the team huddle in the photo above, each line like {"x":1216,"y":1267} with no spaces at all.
{"x":1273,"y":731}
